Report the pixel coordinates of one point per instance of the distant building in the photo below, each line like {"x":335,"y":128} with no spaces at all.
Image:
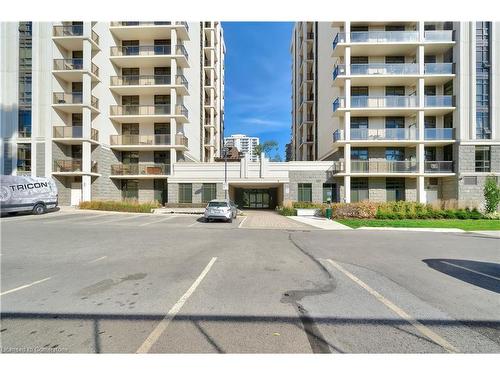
{"x":288,"y":152}
{"x":245,"y":145}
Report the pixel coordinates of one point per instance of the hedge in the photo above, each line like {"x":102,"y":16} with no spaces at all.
{"x":119,"y":206}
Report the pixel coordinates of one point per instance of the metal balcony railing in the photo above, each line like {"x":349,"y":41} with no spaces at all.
{"x":439,"y":101}
{"x":68,"y":64}
{"x":181,"y":110}
{"x":383,"y":166}
{"x":73,"y":132}
{"x":439,"y":36}
{"x":67,"y":30}
{"x":439,"y":134}
{"x":94,"y":36}
{"x":140,"y":140}
{"x":438,"y":166}
{"x":439,"y":68}
{"x":72,"y":165}
{"x":139,"y":169}
{"x":140,"y":110}
{"x":140,"y":80}
{"x":148,"y":50}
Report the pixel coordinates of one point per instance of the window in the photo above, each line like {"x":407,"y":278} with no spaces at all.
{"x":305,"y":192}
{"x":430,"y":122}
{"x":329,"y":193}
{"x":394,"y":122}
{"x":394,"y":59}
{"x":130,"y":130}
{"x":395,"y":91}
{"x":185,"y":193}
{"x":359,"y":153}
{"x":430,"y":153}
{"x":359,"y":59}
{"x":359,"y":189}
{"x":130,"y":47}
{"x":359,"y":28}
{"x":130,"y":76}
{"x":208,"y":192}
{"x":395,"y":154}
{"x":24,"y":157}
{"x":394,"y":28}
{"x":162,"y":75}
{"x":395,"y":188}
{"x":76,"y":152}
{"x":162,"y":104}
{"x":162,"y":157}
{"x":76,"y":119}
{"x":448,"y":88}
{"x":359,"y":91}
{"x":430,"y":90}
{"x":448,"y":120}
{"x":130,"y":189}
{"x":430,"y":59}
{"x":483,"y":158}
{"x":359,"y":122}
{"x":24,"y":126}
{"x":470,"y":180}
{"x":448,"y":153}
{"x":162,"y":46}
{"x":130,"y":157}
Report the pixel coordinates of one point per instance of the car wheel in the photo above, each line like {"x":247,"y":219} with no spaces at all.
{"x":39,"y":209}
{"x":230,"y":220}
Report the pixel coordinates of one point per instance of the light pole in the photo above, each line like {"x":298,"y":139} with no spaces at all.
{"x":225,"y":151}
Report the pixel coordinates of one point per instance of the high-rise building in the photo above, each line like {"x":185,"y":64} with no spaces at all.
{"x":106,"y":108}
{"x":403,"y":110}
{"x":244,"y":144}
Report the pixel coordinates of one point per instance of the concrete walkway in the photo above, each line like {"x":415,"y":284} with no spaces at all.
{"x":320,"y":222}
{"x":491,"y":233}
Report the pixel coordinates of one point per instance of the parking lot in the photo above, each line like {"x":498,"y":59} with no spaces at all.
{"x":81,"y":282}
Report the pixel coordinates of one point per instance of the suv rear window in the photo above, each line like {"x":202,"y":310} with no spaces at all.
{"x":217,"y":204}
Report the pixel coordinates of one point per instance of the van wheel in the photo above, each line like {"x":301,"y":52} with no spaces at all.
{"x":39,"y":209}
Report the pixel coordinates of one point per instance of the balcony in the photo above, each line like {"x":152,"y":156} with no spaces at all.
{"x":147,"y":142}
{"x":73,"y":167}
{"x":149,"y":84}
{"x":438,"y":167}
{"x":73,"y":102}
{"x":376,"y":42}
{"x":439,"y":36}
{"x":438,"y":105}
{"x":140,"y":170}
{"x":71,"y":37}
{"x":149,"y":55}
{"x":384,"y":166}
{"x":159,"y":112}
{"x":377,"y":105}
{"x":73,"y":135}
{"x":378,"y":74}
{"x":128,"y":30}
{"x":71,"y":70}
{"x":439,"y":134}
{"x":380,"y":137}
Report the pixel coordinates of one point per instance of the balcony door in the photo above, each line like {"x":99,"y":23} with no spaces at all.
{"x":162,"y":133}
{"x":161,"y":191}
{"x":359,"y":189}
{"x":162,"y":104}
{"x":130,"y":47}
{"x":130,"y":76}
{"x":77,"y":60}
{"x":130,"y":134}
{"x":130,"y":104}
{"x":395,"y":128}
{"x":395,"y":188}
{"x":162,"y":46}
{"x":130,"y":189}
{"x":162,"y":75}
{"x":359,"y":128}
{"x":359,"y":96}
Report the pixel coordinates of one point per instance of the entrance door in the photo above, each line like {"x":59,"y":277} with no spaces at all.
{"x":76,"y":193}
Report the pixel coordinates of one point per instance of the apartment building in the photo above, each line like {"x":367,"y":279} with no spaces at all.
{"x":244,"y":144}
{"x":403,"y":110}
{"x":107,"y":108}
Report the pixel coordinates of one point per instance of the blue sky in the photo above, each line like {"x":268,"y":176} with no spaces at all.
{"x":258,"y":77}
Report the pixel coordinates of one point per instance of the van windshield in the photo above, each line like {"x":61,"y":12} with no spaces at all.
{"x":217,"y":204}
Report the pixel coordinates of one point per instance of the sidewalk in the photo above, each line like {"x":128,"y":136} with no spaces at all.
{"x":320,"y":222}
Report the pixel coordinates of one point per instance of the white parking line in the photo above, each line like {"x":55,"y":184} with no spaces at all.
{"x":162,"y":326}
{"x":403,"y":314}
{"x":24,"y":286}
{"x":76,"y":217}
{"x":121,"y":218}
{"x":470,"y":270}
{"x":242,"y":221}
{"x":97,"y":260}
{"x":35,"y":217}
{"x":192,"y":225}
{"x":158,"y":221}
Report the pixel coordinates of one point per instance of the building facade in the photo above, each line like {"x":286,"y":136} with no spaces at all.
{"x":403,"y":110}
{"x":106,"y":108}
{"x":244,"y":144}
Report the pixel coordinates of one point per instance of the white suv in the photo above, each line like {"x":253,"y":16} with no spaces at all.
{"x":221,"y":209}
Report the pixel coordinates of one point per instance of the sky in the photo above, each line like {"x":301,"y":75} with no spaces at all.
{"x":257,"y":80}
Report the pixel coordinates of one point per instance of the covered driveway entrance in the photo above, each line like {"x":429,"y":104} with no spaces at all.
{"x":257,"y":196}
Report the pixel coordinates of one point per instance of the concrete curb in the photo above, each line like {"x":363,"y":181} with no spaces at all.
{"x":438,"y":230}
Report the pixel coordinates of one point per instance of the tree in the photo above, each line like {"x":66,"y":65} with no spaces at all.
{"x":267,"y":147}
{"x":491,"y":194}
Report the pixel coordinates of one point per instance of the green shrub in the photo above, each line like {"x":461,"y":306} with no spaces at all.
{"x":286,"y":211}
{"x":308,"y":205}
{"x":119,"y":206}
{"x":491,"y":195}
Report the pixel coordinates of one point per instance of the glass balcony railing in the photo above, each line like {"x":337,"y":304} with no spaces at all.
{"x":383,"y":166}
{"x":140,"y":80}
{"x":181,"y":110}
{"x":438,"y":167}
{"x":141,"y":140}
{"x":439,"y":68}
{"x":149,"y":23}
{"x":383,"y":102}
{"x":375,"y":69}
{"x":140,"y":169}
{"x":68,"y":64}
{"x":439,"y":101}
{"x":439,"y":134}
{"x":403,"y":134}
{"x":68,"y":30}
{"x":68,"y":98}
{"x":72,"y":165}
{"x":383,"y":36}
{"x":73,"y":132}
{"x":148,"y":50}
{"x":439,"y":36}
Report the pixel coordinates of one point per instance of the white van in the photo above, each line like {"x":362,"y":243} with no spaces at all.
{"x":25,"y":193}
